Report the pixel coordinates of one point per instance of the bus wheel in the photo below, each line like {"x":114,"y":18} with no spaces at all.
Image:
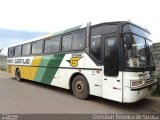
{"x":80,"y":87}
{"x":18,"y":75}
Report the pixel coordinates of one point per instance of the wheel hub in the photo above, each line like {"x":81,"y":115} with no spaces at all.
{"x":79,"y":86}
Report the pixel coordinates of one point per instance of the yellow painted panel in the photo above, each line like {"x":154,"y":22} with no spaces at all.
{"x":36,"y":62}
{"x":27,"y":72}
{"x":9,"y":69}
{"x":33,"y":72}
{"x":13,"y":70}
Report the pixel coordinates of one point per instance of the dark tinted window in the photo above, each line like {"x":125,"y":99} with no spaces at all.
{"x":78,"y":40}
{"x":40,"y":46}
{"x":37,"y":47}
{"x":111,"y":57}
{"x":18,"y":51}
{"x":34,"y":48}
{"x":55,"y":44}
{"x":96,"y":47}
{"x":66,"y":42}
{"x":52,"y":45}
{"x":11,"y":52}
{"x":136,"y":30}
{"x":111,"y":47}
{"x":26,"y":49}
{"x":47,"y":47}
{"x":104,"y":29}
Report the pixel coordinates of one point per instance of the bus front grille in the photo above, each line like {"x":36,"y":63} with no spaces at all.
{"x":148,"y":82}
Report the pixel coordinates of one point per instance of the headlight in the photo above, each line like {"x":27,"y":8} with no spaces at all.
{"x":137,"y":82}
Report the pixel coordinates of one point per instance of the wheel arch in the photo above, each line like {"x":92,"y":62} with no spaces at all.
{"x":17,"y":68}
{"x":73,"y":76}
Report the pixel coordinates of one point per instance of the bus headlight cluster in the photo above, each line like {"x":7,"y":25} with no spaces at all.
{"x":137,"y":82}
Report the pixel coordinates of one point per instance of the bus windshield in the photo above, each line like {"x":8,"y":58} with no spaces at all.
{"x":139,"y":54}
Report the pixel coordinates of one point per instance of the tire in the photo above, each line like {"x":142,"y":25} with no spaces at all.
{"x":80,"y":87}
{"x":18,"y":75}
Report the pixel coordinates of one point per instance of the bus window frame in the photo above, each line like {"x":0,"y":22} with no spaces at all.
{"x":30,"y":48}
{"x":81,"y":30}
{"x":20,"y":51}
{"x":9,"y":55}
{"x":59,"y":40}
{"x":36,"y":47}
{"x":72,"y":32}
{"x":60,"y":45}
{"x":118,"y":31}
{"x":130,"y":69}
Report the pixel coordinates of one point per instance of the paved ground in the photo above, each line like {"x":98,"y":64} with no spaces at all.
{"x":30,"y":97}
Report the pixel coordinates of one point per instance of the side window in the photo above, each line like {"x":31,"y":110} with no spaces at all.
{"x":26,"y":49}
{"x":47,"y":46}
{"x":55,"y":44}
{"x":96,"y":47}
{"x":66,"y":42}
{"x":40,"y":46}
{"x":34,"y":47}
{"x":11,"y":52}
{"x":37,"y":47}
{"x":18,"y":51}
{"x":52,"y":45}
{"x":78,"y":40}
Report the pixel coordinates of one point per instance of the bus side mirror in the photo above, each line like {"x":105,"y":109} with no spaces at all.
{"x":128,"y":41}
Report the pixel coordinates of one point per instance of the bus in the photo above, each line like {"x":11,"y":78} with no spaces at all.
{"x":111,"y":60}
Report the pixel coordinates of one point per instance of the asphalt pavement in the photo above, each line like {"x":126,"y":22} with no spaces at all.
{"x":29,"y":97}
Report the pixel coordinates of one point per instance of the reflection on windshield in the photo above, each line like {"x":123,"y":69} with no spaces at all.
{"x":136,"y":56}
{"x":136,"y":30}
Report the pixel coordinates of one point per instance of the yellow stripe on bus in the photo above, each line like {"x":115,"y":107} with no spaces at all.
{"x":33,"y":70}
{"x":27,"y":72}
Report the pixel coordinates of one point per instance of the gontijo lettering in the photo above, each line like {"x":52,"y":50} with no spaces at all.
{"x":19,"y":61}
{"x":22,"y":61}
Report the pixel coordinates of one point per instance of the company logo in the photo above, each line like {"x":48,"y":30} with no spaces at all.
{"x":74,"y":61}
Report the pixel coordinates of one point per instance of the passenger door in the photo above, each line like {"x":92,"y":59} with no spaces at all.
{"x":112,"y":79}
